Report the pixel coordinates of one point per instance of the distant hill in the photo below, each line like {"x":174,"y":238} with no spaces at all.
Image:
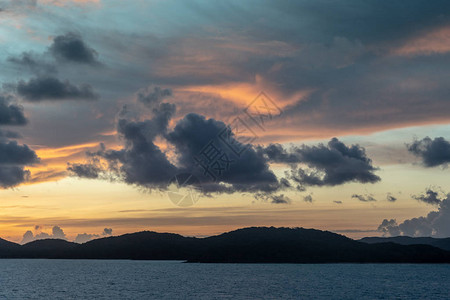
{"x":443,"y":243}
{"x":299,"y":245}
{"x":48,"y":248}
{"x":247,"y":245}
{"x":8,"y":248}
{"x":140,"y":245}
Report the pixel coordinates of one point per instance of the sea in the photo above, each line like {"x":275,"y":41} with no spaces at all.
{"x":128,"y":279}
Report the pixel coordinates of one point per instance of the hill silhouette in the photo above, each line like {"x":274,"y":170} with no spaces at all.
{"x":8,"y":248}
{"x":47,"y":248}
{"x":247,"y":245}
{"x":442,"y":243}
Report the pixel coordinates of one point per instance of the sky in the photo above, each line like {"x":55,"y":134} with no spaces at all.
{"x":200,"y":117}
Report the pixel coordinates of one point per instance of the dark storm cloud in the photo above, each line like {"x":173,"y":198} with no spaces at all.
{"x":277,"y":153}
{"x":91,"y":171}
{"x":308,"y":198}
{"x":50,"y":88}
{"x":13,"y":159}
{"x":26,"y":59}
{"x":430,"y":197}
{"x":364,"y":198}
{"x":65,"y":48}
{"x":436,"y":223}
{"x":11,"y":176}
{"x":272,"y":198}
{"x":249,"y":172}
{"x":389,"y":227}
{"x":10,"y":113}
{"x":151,"y":97}
{"x":71,"y":47}
{"x":280,"y":199}
{"x":33,"y":62}
{"x":390,"y":198}
{"x":330,"y":165}
{"x":141,"y":162}
{"x":7,"y":134}
{"x":45,"y":86}
{"x":13,"y":153}
{"x":433,"y":152}
{"x":190,"y":136}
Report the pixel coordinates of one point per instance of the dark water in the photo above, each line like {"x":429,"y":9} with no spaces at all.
{"x":107,"y":279}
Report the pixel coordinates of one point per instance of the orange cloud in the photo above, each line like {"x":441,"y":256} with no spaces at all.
{"x":47,"y":153}
{"x":54,"y":162}
{"x":435,"y":41}
{"x":243,"y":93}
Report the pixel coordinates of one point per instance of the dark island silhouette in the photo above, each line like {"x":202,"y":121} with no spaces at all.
{"x":442,"y":243}
{"x":247,"y":245}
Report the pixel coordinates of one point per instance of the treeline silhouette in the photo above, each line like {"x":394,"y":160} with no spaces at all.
{"x":247,"y":245}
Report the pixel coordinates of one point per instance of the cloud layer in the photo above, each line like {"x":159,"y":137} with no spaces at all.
{"x":57,"y":233}
{"x":430,"y":197}
{"x":11,"y":113}
{"x":71,"y":48}
{"x":211,"y":151}
{"x":13,"y":156}
{"x":436,"y":223}
{"x":328,"y":165}
{"x":433,"y":152}
{"x":50,"y":88}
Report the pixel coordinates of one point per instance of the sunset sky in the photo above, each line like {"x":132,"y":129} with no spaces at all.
{"x":103,"y":102}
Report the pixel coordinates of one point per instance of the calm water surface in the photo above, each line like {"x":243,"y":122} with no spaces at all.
{"x":109,"y":279}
